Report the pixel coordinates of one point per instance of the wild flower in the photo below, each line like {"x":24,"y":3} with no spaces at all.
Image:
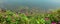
{"x":53,"y":23}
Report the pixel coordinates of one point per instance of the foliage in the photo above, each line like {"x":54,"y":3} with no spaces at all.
{"x":10,"y":17}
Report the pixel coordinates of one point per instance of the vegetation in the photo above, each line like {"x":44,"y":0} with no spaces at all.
{"x":9,"y":17}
